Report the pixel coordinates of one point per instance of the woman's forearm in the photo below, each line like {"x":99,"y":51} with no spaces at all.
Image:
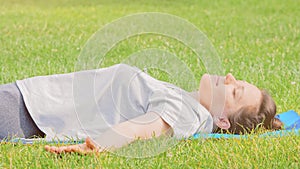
{"x":143,"y":127}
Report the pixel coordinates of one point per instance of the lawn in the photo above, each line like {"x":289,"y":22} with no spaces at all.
{"x":257,"y":41}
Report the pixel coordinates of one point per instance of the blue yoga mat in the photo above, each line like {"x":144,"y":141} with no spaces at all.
{"x":278,"y":133}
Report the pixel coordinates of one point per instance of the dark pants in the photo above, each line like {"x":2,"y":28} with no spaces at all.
{"x":15,"y":121}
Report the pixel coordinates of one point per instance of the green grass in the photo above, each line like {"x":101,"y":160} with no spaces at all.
{"x":258,"y":41}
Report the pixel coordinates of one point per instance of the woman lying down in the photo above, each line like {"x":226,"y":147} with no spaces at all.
{"x":112,"y":107}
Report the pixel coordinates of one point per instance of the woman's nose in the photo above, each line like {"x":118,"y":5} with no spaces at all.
{"x":230,"y":79}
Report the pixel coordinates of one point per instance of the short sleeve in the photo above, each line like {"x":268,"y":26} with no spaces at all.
{"x":185,"y":116}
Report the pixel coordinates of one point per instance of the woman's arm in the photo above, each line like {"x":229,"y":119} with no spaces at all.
{"x":146,"y":126}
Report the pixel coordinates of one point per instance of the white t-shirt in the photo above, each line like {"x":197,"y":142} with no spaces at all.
{"x":87,"y":103}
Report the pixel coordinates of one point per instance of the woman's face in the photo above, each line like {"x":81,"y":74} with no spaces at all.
{"x":224,"y":95}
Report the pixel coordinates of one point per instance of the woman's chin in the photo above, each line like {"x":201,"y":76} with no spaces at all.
{"x":205,"y":91}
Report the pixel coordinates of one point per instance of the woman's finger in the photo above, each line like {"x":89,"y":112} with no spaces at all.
{"x":90,"y":144}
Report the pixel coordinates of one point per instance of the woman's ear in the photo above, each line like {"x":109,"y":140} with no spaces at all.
{"x":223,"y":123}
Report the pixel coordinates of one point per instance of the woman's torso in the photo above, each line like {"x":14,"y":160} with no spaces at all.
{"x":89,"y":102}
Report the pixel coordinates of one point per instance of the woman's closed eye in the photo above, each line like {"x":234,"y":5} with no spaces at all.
{"x":240,"y":92}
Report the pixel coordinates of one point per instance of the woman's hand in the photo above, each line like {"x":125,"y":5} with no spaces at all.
{"x":85,"y":148}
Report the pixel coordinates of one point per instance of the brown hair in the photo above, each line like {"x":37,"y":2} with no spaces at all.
{"x":249,"y":118}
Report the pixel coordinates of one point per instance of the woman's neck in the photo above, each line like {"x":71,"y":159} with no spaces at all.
{"x":196,"y":96}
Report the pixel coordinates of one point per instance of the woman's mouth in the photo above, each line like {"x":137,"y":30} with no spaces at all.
{"x":217,"y":81}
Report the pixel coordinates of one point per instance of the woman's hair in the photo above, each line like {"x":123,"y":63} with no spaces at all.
{"x":249,"y":118}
